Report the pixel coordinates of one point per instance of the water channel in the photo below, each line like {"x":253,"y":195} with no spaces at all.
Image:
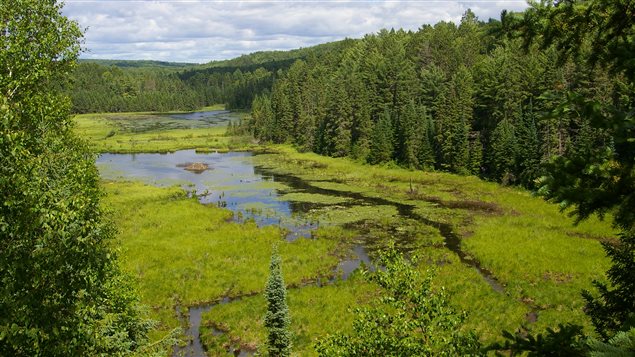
{"x":232,"y":181}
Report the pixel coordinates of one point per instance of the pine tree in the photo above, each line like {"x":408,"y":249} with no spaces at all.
{"x":338,"y":123}
{"x":408,"y":136}
{"x":426,"y":154}
{"x":454,"y":115}
{"x":504,"y":149}
{"x":528,"y":149}
{"x":381,"y":146}
{"x":277,"y":318}
{"x":282,"y":112}
{"x":476,"y":153}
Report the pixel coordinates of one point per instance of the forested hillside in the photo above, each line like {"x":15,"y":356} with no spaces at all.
{"x":462,"y":98}
{"x":127,"y":86}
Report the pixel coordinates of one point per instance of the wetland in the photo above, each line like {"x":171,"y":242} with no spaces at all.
{"x":198,"y":242}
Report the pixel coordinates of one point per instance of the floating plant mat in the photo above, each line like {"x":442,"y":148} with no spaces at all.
{"x":139,"y":123}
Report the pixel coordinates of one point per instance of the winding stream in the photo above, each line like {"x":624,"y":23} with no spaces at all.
{"x":256,"y":193}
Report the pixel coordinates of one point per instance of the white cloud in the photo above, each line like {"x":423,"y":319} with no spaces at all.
{"x":200,"y":31}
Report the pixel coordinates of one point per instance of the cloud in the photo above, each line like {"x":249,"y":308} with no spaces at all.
{"x":201,"y":31}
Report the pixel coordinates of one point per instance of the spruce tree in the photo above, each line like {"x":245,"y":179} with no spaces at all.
{"x":338,"y":122}
{"x":277,"y":318}
{"x":454,"y":115}
{"x":528,"y":149}
{"x":381,"y":146}
{"x":426,"y":151}
{"x":503,"y":152}
{"x":476,"y":153}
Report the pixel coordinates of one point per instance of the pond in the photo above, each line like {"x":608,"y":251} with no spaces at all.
{"x":233,"y":181}
{"x":139,"y":123}
{"x":230,"y":180}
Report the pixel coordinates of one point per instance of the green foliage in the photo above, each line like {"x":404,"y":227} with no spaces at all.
{"x":620,"y":345}
{"x":381,"y":145}
{"x":454,"y":110}
{"x":61,"y":291}
{"x":504,"y":149}
{"x":409,"y":319}
{"x":567,"y":340}
{"x":598,"y":179}
{"x":476,"y":154}
{"x":277,"y":318}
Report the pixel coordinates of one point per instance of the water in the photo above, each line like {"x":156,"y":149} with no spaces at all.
{"x":254,"y":193}
{"x":231,"y":182}
{"x":207,"y":118}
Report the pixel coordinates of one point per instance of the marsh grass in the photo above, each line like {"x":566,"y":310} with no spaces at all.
{"x":154,"y":132}
{"x":315,"y":312}
{"x":185,"y":253}
{"x":532,"y":248}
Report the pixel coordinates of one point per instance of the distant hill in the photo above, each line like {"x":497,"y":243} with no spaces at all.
{"x":258,"y":58}
{"x":270,"y":60}
{"x":139,"y":63}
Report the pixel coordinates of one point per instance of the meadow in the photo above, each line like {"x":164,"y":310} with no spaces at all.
{"x":522,"y":262}
{"x":155,"y":132}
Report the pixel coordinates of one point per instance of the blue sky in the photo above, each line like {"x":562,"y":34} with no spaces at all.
{"x":204,"y":30}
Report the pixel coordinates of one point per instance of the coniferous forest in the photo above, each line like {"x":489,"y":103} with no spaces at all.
{"x":473,"y":98}
{"x":428,"y":154}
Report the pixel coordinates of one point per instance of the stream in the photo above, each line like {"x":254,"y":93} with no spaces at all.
{"x":232,"y":181}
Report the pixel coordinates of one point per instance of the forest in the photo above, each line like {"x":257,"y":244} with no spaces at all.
{"x":463,"y":189}
{"x":464,"y":98}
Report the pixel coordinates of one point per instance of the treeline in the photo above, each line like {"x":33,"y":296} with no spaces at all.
{"x":125,"y":86}
{"x":461,"y":98}
{"x":98,"y":88}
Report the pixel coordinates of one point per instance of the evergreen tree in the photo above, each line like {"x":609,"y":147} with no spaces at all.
{"x":409,"y":135}
{"x":454,"y":114}
{"x":426,"y":154}
{"x":504,"y":149}
{"x":282,"y":125}
{"x":602,"y":179}
{"x":381,"y":146}
{"x":277,"y":318}
{"x":432,"y":83}
{"x":338,"y":123}
{"x":528,"y":149}
{"x":476,"y":153}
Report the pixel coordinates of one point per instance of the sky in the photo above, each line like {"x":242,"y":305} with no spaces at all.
{"x":204,"y":30}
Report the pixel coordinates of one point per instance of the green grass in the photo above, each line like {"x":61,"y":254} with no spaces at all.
{"x":315,"y":312}
{"x":154,"y":132}
{"x":182,"y":252}
{"x":534,"y":250}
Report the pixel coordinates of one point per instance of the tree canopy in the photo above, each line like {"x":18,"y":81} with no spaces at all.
{"x":61,"y":291}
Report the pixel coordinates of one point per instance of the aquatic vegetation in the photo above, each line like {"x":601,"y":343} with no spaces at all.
{"x":505,"y":278}
{"x":184,"y":253}
{"x":315,"y":311}
{"x":152,"y":132}
{"x":313,"y":198}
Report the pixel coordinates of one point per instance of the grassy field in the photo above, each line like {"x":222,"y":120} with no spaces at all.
{"x":184,"y":253}
{"x":154,"y":132}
